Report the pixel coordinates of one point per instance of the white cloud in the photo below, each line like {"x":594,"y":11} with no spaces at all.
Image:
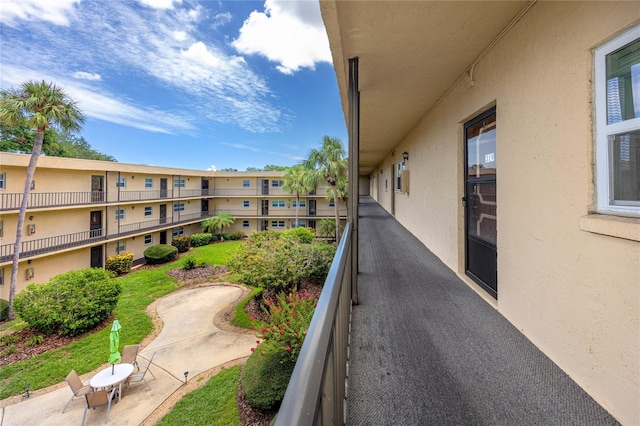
{"x":241,"y":146}
{"x":220,"y":19}
{"x":212,"y":168}
{"x":57,"y":11}
{"x":96,"y":103}
{"x":290,"y":33}
{"x":87,"y":76}
{"x":160,"y":4}
{"x":199,"y":53}
{"x":180,"y":35}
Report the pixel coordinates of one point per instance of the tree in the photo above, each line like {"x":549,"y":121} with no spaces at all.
{"x":296,"y":182}
{"x":39,"y":106}
{"x":219,"y":221}
{"x":328,"y":164}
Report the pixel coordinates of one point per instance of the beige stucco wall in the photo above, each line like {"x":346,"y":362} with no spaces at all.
{"x":44,"y":268}
{"x":575,"y":294}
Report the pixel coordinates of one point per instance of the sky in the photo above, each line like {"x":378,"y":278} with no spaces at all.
{"x":192,"y":84}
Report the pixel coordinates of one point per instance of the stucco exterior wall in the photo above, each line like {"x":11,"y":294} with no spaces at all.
{"x":575,"y":294}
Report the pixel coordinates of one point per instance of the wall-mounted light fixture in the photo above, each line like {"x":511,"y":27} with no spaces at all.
{"x":381,"y":171}
{"x":29,"y":261}
{"x":405,"y":156}
{"x":30,"y":217}
{"x":133,"y":177}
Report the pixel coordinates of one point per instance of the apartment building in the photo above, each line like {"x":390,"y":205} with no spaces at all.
{"x":82,"y":211}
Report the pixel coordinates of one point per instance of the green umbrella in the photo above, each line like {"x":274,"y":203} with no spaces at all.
{"x":114,"y":343}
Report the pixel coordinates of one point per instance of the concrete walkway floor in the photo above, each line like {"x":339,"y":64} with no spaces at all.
{"x":189,"y":341}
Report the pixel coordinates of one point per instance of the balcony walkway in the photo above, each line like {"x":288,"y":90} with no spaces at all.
{"x":427,"y":350}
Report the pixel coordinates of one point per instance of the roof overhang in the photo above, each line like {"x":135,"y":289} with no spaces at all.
{"x":410,"y":54}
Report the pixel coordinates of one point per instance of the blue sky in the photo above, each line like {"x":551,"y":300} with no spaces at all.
{"x":182,"y":83}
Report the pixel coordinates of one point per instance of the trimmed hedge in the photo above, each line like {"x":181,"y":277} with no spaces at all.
{"x":266,"y":376}
{"x":198,"y":240}
{"x":69,"y":304}
{"x":120,"y":263}
{"x":181,"y":243}
{"x":4,"y":309}
{"x":160,"y":253}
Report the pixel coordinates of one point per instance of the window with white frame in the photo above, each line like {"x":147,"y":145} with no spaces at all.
{"x":399,"y":168}
{"x":119,"y":214}
{"x":176,"y":232}
{"x":278,"y":204}
{"x":302,"y":203}
{"x":617,"y":85}
{"x":178,"y":183}
{"x":121,"y":182}
{"x":245,"y":223}
{"x":246,"y":183}
{"x":178,"y":207}
{"x":298,"y":224}
{"x":246,"y":203}
{"x":332,"y":203}
{"x":148,"y":183}
{"x":148,"y":211}
{"x":120,"y":246}
{"x":3,"y":180}
{"x":148,"y":239}
{"x":277,"y":223}
{"x":1,"y":228}
{"x":277,"y":183}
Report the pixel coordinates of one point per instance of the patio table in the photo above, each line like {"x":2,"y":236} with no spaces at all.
{"x":105,"y":378}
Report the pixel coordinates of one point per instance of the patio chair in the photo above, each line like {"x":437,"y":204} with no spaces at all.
{"x":130,"y":355}
{"x":98,"y":399}
{"x":139,"y":377}
{"x":77,"y":387}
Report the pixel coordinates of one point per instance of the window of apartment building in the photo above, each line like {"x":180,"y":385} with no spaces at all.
{"x":245,"y":223}
{"x":177,"y":232}
{"x":178,"y":207}
{"x":1,"y":276}
{"x":399,"y":168}
{"x":332,"y":204}
{"x":148,"y":211}
{"x":303,"y":203}
{"x":120,"y":214}
{"x":148,"y":183}
{"x":246,"y":183}
{"x":121,"y":182}
{"x":148,"y":239}
{"x":277,"y":183}
{"x":178,"y":183}
{"x":3,"y":180}
{"x":246,"y":203}
{"x":1,"y":228}
{"x":33,"y":185}
{"x":617,"y":77}
{"x":277,"y":223}
{"x":299,"y":223}
{"x":120,"y":246}
{"x":278,"y":203}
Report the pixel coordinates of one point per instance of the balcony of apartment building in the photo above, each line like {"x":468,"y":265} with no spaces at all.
{"x":399,"y":338}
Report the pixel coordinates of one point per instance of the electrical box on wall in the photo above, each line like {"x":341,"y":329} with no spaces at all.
{"x":31,"y":229}
{"x":30,"y":273}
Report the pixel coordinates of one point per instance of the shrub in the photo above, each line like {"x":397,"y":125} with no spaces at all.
{"x":35,"y":340}
{"x":238,"y":235}
{"x":197,"y":240}
{"x":266,"y":376}
{"x":160,"y":253}
{"x":280,"y":262}
{"x":4,"y":309}
{"x":262,"y":236}
{"x":8,"y":339}
{"x":181,"y":243}
{"x":70,"y":303}
{"x":300,"y":234}
{"x":225,"y":236}
{"x":189,"y":263}
{"x":120,"y":263}
{"x":289,"y":319}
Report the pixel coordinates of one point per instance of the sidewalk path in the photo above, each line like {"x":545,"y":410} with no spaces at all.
{"x":189,"y":341}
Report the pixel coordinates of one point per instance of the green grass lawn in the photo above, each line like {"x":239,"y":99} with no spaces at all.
{"x":139,"y":289}
{"x":212,"y":405}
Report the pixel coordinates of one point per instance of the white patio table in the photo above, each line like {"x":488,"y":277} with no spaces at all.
{"x":105,"y":378}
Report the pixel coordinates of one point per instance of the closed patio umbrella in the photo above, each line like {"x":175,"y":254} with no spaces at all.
{"x":114,"y":343}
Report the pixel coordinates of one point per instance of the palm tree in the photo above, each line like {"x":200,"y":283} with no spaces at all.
{"x":38,"y":105}
{"x":328,"y":164}
{"x":296,"y":182}
{"x":219,"y":221}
